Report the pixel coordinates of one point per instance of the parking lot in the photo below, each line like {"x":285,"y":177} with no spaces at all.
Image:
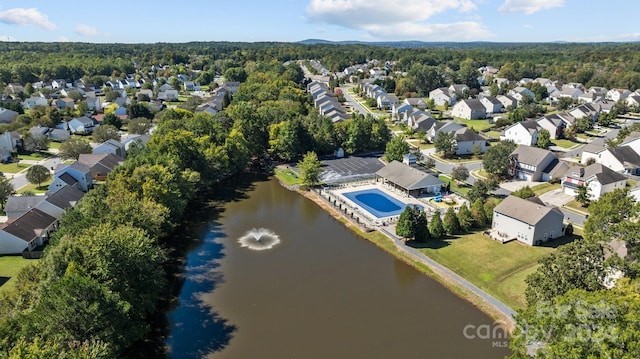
{"x":352,"y":168}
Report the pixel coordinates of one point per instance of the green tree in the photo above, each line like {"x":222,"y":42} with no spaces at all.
{"x":404,"y":225}
{"x":421,"y":225}
{"x":111,"y":95}
{"x":524,"y":192}
{"x":73,"y":148}
{"x":478,"y":213}
{"x":489,"y":205}
{"x":6,"y":190}
{"x":481,"y":189}
{"x":584,"y":124}
{"x":564,"y":103}
{"x":235,"y":74}
{"x":571,"y":132}
{"x":35,"y":143}
{"x":460,"y":173}
{"x":450,"y":222}
{"x":436,"y":228}
{"x":37,"y":174}
{"x":412,"y":224}
{"x":112,"y":119}
{"x":496,"y":159}
{"x":396,"y":149}
{"x":582,"y":195}
{"x":284,"y":140}
{"x":139,"y":125}
{"x":104,"y":133}
{"x":577,"y":265}
{"x":465,"y":218}
{"x":445,"y":143}
{"x":544,"y":139}
{"x":138,"y":109}
{"x":310,"y":167}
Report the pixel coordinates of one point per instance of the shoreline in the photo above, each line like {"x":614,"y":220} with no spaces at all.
{"x":421,"y":263}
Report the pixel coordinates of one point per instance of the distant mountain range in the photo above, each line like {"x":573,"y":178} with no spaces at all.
{"x":416,"y":43}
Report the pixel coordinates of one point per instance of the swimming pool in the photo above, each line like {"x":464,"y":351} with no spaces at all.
{"x":377,"y":202}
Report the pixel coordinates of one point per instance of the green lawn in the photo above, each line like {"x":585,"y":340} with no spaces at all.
{"x":9,"y":268}
{"x":288,"y":176}
{"x":55,"y":145}
{"x":12,"y":167}
{"x":477,"y":125}
{"x":421,"y":145}
{"x":564,"y":143}
{"x":454,"y":186}
{"x":36,"y":156}
{"x":545,"y":187}
{"x":499,"y":269}
{"x":576,"y":206}
{"x":493,"y":134}
{"x":35,"y":189}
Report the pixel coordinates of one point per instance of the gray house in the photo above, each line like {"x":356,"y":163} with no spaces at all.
{"x":531,"y":163}
{"x":527,"y":220}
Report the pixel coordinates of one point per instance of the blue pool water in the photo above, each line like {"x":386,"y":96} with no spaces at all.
{"x":377,"y":202}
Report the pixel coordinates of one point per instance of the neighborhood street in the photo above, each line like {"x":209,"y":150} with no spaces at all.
{"x":19,"y":180}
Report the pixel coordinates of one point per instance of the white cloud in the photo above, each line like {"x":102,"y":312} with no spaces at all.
{"x":458,"y":31}
{"x":26,"y":17}
{"x":7,"y":38}
{"x":529,"y":6}
{"x":356,"y":13}
{"x":86,"y":30}
{"x":394,"y":19}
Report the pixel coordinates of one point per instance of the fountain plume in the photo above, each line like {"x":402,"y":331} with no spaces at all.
{"x":259,"y":239}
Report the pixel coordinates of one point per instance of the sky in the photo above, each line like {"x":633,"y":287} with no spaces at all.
{"x":145,"y":21}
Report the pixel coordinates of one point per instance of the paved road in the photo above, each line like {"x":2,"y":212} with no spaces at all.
{"x":19,"y":180}
{"x":353,"y":102}
{"x":507,"y":312}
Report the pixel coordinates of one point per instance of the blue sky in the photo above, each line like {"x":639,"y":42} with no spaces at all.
{"x":145,"y":21}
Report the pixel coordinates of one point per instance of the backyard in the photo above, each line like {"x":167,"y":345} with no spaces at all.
{"x":500,"y":269}
{"x":9,"y":268}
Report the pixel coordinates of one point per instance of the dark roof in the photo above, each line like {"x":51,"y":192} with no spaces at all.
{"x":551,"y":166}
{"x":530,"y":125}
{"x":530,"y":155}
{"x":65,"y":197}
{"x":22,"y":203}
{"x":626,"y":155}
{"x":407,"y":177}
{"x":68,"y":179}
{"x":466,"y":134}
{"x":107,"y":162}
{"x":604,"y":174}
{"x":30,"y":225}
{"x":475,"y":104}
{"x":492,"y":100}
{"x":529,"y":211}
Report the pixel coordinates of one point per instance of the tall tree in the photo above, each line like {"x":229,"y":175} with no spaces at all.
{"x":436,"y":228}
{"x":460,"y":173}
{"x":396,"y":149}
{"x":6,"y":190}
{"x":104,"y":133}
{"x":37,"y":174}
{"x":446,"y":144}
{"x":524,"y":192}
{"x":112,"y":119}
{"x":544,"y":138}
{"x":404,"y":225}
{"x":465,"y":218}
{"x":481,"y":189}
{"x":478,"y":213}
{"x":450,"y":222}
{"x":582,"y":195}
{"x":310,"y":167}
{"x":73,"y":148}
{"x":496,"y":159}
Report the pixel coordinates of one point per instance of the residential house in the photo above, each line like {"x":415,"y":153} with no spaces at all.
{"x":7,"y":116}
{"x":56,"y":204}
{"x":419,"y":120}
{"x":100,"y":164}
{"x":64,"y":103}
{"x":522,"y":133}
{"x":58,"y":84}
{"x":168,"y":95}
{"x":59,"y":135}
{"x":111,"y":146}
{"x":597,"y":178}
{"x":507,"y":101}
{"x":27,"y":232}
{"x":8,"y":144}
{"x":94,"y":104}
{"x":442,"y":96}
{"x":468,"y":142}
{"x":469,"y":109}
{"x":136,"y":140}
{"x":544,"y":81}
{"x":387,"y":100}
{"x":570,"y":92}
{"x":623,"y":159}
{"x":232,"y":86}
{"x":589,"y":110}
{"x":16,"y":206}
{"x":398,"y":110}
{"x":34,"y":101}
{"x":491,"y":104}
{"x":617,"y":94}
{"x":81,"y":125}
{"x":554,"y":124}
{"x":598,"y":91}
{"x":527,"y":220}
{"x":531,"y":164}
{"x":633,"y":100}
{"x":441,"y":126}
{"x":520,"y":93}
{"x":416,"y":102}
{"x":191,"y":86}
{"x":76,"y":174}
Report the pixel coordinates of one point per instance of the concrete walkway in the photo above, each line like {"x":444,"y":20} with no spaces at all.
{"x":506,"y":312}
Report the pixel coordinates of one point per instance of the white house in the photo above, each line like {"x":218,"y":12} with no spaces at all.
{"x":623,"y":159}
{"x":81,"y":125}
{"x":520,"y":93}
{"x":111,"y":146}
{"x":589,"y":110}
{"x":77,"y":175}
{"x":34,"y":101}
{"x":469,"y":109}
{"x":617,"y":94}
{"x":468,"y":141}
{"x":507,"y":101}
{"x":531,"y":163}
{"x":554,"y":124}
{"x":442,"y":96}
{"x":598,"y":179}
{"x":522,"y":133}
{"x":491,"y":104}
{"x":29,"y":231}
{"x":527,"y":220}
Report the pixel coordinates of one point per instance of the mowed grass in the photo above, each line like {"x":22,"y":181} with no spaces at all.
{"x":288,"y":176}
{"x":9,"y":268}
{"x":477,"y":125}
{"x":565,"y":143}
{"x":464,"y":189}
{"x":545,"y":187}
{"x":499,"y":269}
{"x":12,"y":167}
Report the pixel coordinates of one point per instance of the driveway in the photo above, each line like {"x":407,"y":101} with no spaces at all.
{"x":556,"y":198}
{"x":513,"y":186}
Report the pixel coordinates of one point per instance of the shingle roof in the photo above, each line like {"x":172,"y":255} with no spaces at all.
{"x":30,"y":225}
{"x":65,"y":197}
{"x":529,"y":211}
{"x":530,"y":155}
{"x":604,"y":174}
{"x":626,"y":155}
{"x":466,"y":134}
{"x":68,"y":179}
{"x":407,"y":177}
{"x":593,"y":148}
{"x":474,"y":104}
{"x":22,"y":203}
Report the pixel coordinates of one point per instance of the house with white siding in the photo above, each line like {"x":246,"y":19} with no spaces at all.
{"x":507,"y":101}
{"x":27,"y":232}
{"x":469,"y":109}
{"x":597,"y":178}
{"x":442,"y":96}
{"x":554,"y":124}
{"x":529,"y":221}
{"x":623,"y":159}
{"x":531,"y":164}
{"x":522,"y":133}
{"x":491,"y":104}
{"x":617,"y":94}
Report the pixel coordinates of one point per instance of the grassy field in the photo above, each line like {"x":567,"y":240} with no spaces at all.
{"x":454,"y":186}
{"x":477,"y":125}
{"x":576,"y":206}
{"x":545,"y":187}
{"x":12,"y":167}
{"x":36,"y":156}
{"x":499,"y":269}
{"x":9,"y":267}
{"x":420,"y":144}
{"x":34,"y":188}
{"x":55,"y":145}
{"x":564,"y":143}
{"x":287,"y":176}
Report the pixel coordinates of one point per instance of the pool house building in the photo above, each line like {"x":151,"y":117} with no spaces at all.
{"x":409,"y":180}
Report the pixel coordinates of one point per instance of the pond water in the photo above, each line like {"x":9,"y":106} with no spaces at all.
{"x":272,"y":275}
